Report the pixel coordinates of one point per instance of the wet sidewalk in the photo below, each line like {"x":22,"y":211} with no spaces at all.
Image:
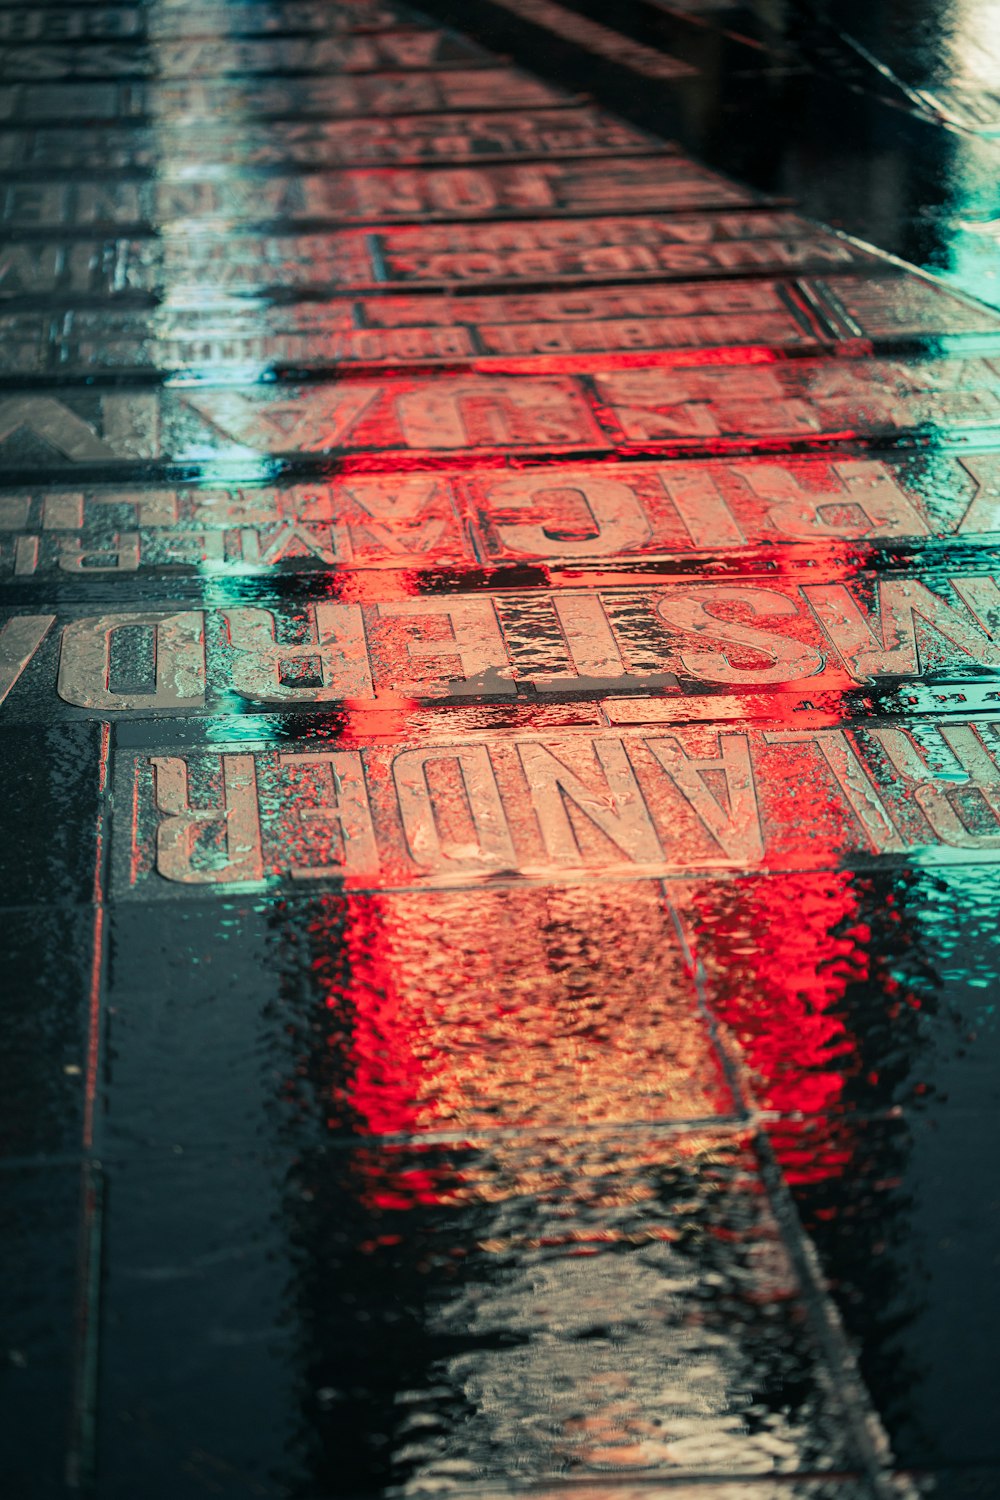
{"x":500,"y":700}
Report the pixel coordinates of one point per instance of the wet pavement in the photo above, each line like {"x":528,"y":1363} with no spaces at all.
{"x":500,"y":701}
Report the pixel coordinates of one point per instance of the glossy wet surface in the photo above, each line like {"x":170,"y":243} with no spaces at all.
{"x":500,"y":708}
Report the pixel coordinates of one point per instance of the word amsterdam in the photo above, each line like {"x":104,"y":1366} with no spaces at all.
{"x":429,"y":520}
{"x":456,"y":646}
{"x":551,"y":806}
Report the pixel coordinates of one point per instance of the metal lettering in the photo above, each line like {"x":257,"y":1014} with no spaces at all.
{"x":494,"y":413}
{"x":693,"y":612}
{"x":311,"y":422}
{"x":617,"y":808}
{"x":491,"y":846}
{"x":871,"y":503}
{"x":614,"y":519}
{"x":983,"y":512}
{"x":700,"y":505}
{"x":857,"y":787}
{"x":179,"y":656}
{"x":54,"y":424}
{"x":735,"y":826}
{"x":345,"y":809}
{"x":329,"y":667}
{"x":14,"y":511}
{"x":189,"y":58}
{"x":474,"y":643}
{"x":120,"y":554}
{"x":593,"y":647}
{"x":290,"y":540}
{"x":936,"y":793}
{"x":885,"y":642}
{"x":208,"y":845}
{"x":132,"y":425}
{"x":25,"y":556}
{"x":639,"y":802}
{"x":394,"y":514}
{"x":62,"y":512}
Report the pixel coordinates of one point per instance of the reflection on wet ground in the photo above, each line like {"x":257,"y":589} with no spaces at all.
{"x":500,"y":692}
{"x":881,"y":119}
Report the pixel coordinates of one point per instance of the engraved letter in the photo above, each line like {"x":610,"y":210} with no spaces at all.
{"x":336,"y":658}
{"x":20,"y":638}
{"x":734,"y":827}
{"x":315,"y":422}
{"x":706,"y":516}
{"x":186,"y":831}
{"x":85,"y":662}
{"x":476,"y":646}
{"x":858,"y":789}
{"x":871,"y":503}
{"x":615,"y":522}
{"x":120,"y":554}
{"x":347,"y":807}
{"x":591,"y":643}
{"x":56,"y":425}
{"x":398,"y":515}
{"x":936,"y":796}
{"x":494,"y":413}
{"x":493,"y":849}
{"x":884,"y":643}
{"x":983,"y":512}
{"x":691,"y":611}
{"x":617,"y":808}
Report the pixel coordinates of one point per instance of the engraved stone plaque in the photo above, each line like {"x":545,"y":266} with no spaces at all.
{"x":584,"y":515}
{"x":556,"y":806}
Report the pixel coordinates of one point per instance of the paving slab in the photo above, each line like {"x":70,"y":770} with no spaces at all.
{"x":547,"y":1297}
{"x":493,"y":331}
{"x":46,"y":1407}
{"x":908,"y":1252}
{"x":422,"y":1062}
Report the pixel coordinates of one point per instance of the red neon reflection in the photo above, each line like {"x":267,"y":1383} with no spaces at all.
{"x":781,"y":950}
{"x":447,"y":1026}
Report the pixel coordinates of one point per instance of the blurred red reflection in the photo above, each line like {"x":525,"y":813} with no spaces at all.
{"x":492,"y":1009}
{"x":780,"y":951}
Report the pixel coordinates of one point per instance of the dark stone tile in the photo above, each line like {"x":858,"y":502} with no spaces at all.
{"x":38,"y":1262}
{"x":296,"y":1020}
{"x":46,"y":956}
{"x":563,"y":1305}
{"x":850,"y":992}
{"x":904,"y":1214}
{"x":48,"y":851}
